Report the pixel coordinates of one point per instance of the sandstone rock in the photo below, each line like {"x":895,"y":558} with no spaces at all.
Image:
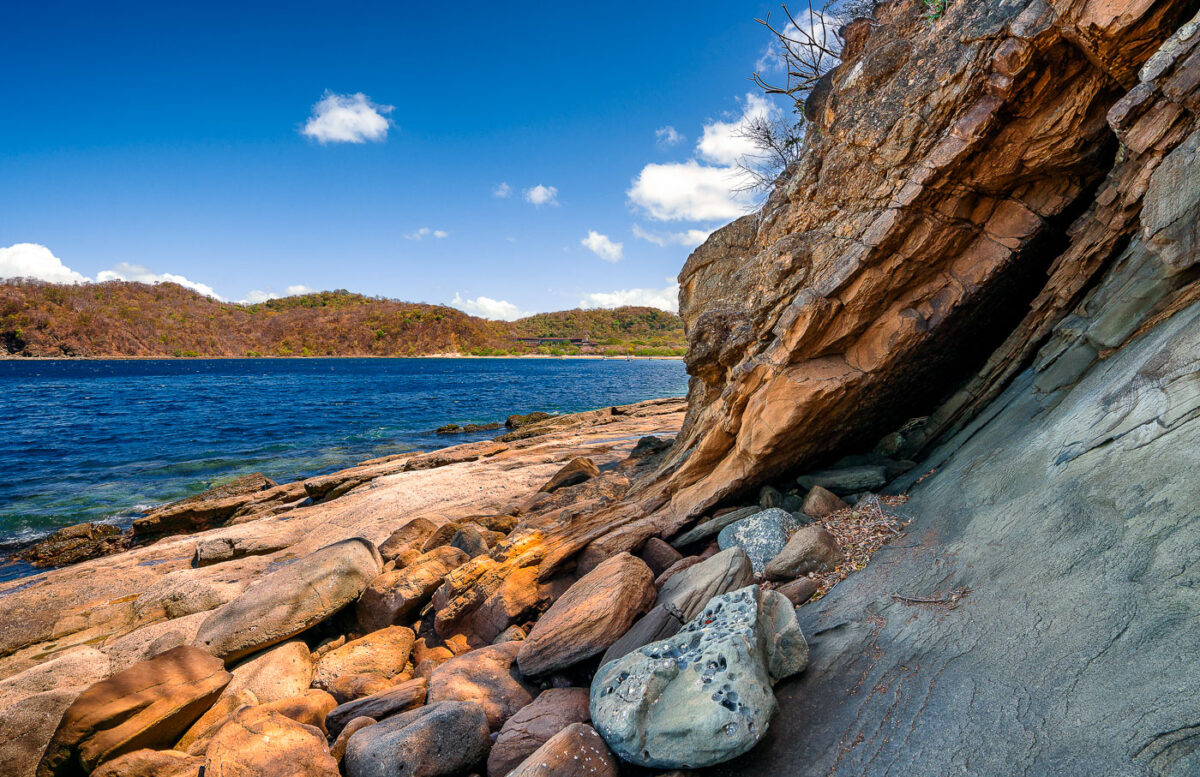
{"x":589,"y":617}
{"x":440,"y":536}
{"x":195,"y":740}
{"x":216,"y":506}
{"x":762,"y":535}
{"x":409,"y":537}
{"x":349,"y":687}
{"x":690,"y":590}
{"x":532,"y":726}
{"x":846,"y":480}
{"x":440,"y":740}
{"x":221,"y":549}
{"x":309,"y":708}
{"x":150,"y":703}
{"x":395,"y":597}
{"x":573,"y":473}
{"x":384,"y":652}
{"x":488,"y":677}
{"x":576,"y":751}
{"x":470,"y":540}
{"x":713,"y":526}
{"x":338,"y":748}
{"x":684,"y":563}
{"x":290,"y":600}
{"x":663,"y":620}
{"x":811,"y":549}
{"x":74,"y":544}
{"x":400,"y":698}
{"x":658,"y":555}
{"x":799,"y":591}
{"x":511,"y":634}
{"x":517,"y":421}
{"x":259,"y":742}
{"x":820,"y":502}
{"x":482,"y":599}
{"x":703,"y":696}
{"x":151,"y":763}
{"x":650,"y":446}
{"x":279,"y":672}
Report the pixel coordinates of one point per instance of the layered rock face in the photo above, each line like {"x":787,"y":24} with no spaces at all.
{"x":970,"y":183}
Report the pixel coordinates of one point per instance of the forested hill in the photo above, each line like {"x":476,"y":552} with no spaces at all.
{"x":121,"y":318}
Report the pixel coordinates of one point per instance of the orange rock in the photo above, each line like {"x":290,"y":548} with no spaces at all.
{"x":259,"y":742}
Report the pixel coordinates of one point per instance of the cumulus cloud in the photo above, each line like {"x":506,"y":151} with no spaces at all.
{"x":347,"y":118}
{"x":663,"y":299}
{"x":502,"y":190}
{"x":725,"y":142}
{"x":668,"y":136}
{"x":689,"y":238}
{"x":711,"y":186}
{"x":262,"y":296}
{"x":33,"y":260}
{"x":135,"y":272}
{"x":602,"y":246}
{"x":542,"y":195}
{"x":690,"y":191}
{"x":424,"y":232}
{"x":496,"y":309}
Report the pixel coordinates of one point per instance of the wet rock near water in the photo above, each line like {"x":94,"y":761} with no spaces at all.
{"x":468,"y":428}
{"x":76,"y":543}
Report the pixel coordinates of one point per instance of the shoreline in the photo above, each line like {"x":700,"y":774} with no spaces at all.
{"x":589,"y":357}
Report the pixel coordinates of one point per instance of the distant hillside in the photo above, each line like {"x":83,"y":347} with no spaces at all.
{"x":121,"y":318}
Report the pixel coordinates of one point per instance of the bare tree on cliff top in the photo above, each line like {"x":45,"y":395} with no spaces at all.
{"x":804,"y":50}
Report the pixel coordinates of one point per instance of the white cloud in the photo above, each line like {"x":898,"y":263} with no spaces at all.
{"x":602,"y":246}
{"x":497,"y":309}
{"x":724,"y":142}
{"x":347,"y":118}
{"x":663,"y":299}
{"x":262,"y":296}
{"x":33,"y":260}
{"x":689,"y":238}
{"x":298,"y":289}
{"x":135,"y":272}
{"x":668,"y":136}
{"x":502,"y":190}
{"x":426,"y":232}
{"x":542,"y":195}
{"x":690,"y":191}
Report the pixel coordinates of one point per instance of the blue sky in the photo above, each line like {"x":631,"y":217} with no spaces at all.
{"x":148,"y":141}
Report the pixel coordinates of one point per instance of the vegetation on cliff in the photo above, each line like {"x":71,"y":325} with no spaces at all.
{"x":136,"y":319}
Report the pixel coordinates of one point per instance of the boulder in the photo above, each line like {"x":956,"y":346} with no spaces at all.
{"x":762,"y":535}
{"x":684,"y":563}
{"x":703,"y":696}
{"x":517,"y":421}
{"x":309,"y":708}
{"x":659,"y":556}
{"x":440,"y":536}
{"x":395,"y":597}
{"x":664,"y":620}
{"x":338,"y":748}
{"x":811,"y":549}
{"x":820,"y":502}
{"x":77,"y":543}
{"x":769,"y":496}
{"x":259,"y":742}
{"x":590,"y":616}
{"x":400,"y":698}
{"x":532,"y":726}
{"x":280,"y":672}
{"x":151,"y":763}
{"x":650,"y":446}
{"x":384,"y":652}
{"x":573,"y":473}
{"x":689,"y":590}
{"x":799,"y":591}
{"x":488,"y":677}
{"x":349,"y":687}
{"x":408,"y":538}
{"x":440,"y":740}
{"x":511,"y":634}
{"x":576,"y":751}
{"x":713,"y":526}
{"x":469,"y":539}
{"x":149,"y":704}
{"x":218,"y":550}
{"x":290,"y":600}
{"x":846,"y":480}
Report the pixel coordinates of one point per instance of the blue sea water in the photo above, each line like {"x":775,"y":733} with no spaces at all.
{"x":104,"y":440}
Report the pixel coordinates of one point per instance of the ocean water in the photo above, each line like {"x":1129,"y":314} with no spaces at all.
{"x":105,"y":440}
